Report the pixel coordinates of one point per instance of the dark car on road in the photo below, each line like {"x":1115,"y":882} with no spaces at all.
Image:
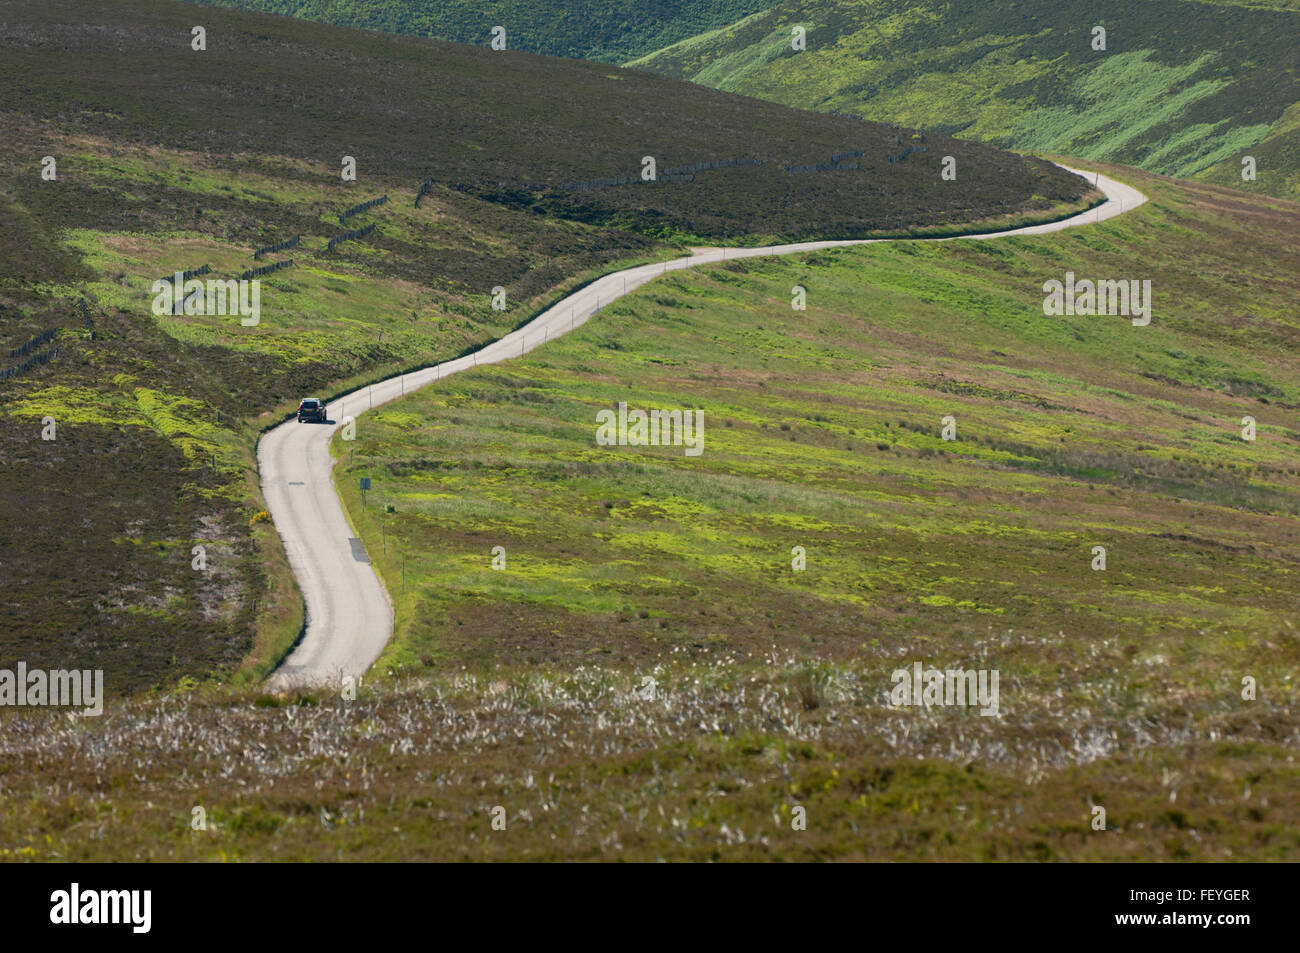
{"x":312,"y":409}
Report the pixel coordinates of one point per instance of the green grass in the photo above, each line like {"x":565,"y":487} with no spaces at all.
{"x":238,"y":164}
{"x":1120,"y":689}
{"x":823,"y":431}
{"x":1183,"y":88}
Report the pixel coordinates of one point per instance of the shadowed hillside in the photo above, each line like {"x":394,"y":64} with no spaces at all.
{"x":608,"y":30}
{"x":511,"y":128}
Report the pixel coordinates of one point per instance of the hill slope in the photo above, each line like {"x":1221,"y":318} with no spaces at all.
{"x":169,"y":158}
{"x":512,"y":128}
{"x":650,"y":677}
{"x":607,"y":30}
{"x":1185,"y":88}
{"x":822,"y":429}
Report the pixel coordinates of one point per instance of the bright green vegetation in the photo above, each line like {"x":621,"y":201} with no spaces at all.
{"x":611,"y":30}
{"x":1183,"y":88}
{"x":823,"y":431}
{"x":157,"y":416}
{"x":1120,"y":687}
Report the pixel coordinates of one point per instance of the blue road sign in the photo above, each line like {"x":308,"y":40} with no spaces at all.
{"x":365,"y":483}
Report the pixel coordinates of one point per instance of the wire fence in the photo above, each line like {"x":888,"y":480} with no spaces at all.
{"x":910,"y":150}
{"x":708,"y":166}
{"x":187,"y":275}
{"x":349,"y":236}
{"x":265,"y":269}
{"x":30,"y":363}
{"x":363,"y":207}
{"x":837,"y":163}
{"x":683,"y":173}
{"x":40,"y":339}
{"x":272,"y":249}
{"x":599,"y":183}
{"x":823,"y":167}
{"x":425,"y":187}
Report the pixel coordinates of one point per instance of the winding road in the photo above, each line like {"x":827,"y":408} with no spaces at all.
{"x":349,"y":616}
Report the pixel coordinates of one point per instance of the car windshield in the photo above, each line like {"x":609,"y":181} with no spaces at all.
{"x":309,"y":404}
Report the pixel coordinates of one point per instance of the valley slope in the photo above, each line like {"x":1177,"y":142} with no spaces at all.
{"x":1182,"y":87}
{"x":135,"y":538}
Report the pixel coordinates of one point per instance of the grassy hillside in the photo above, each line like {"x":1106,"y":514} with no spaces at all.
{"x":168,"y":159}
{"x":608,"y":30}
{"x":1183,"y":87}
{"x":823,"y":431}
{"x":525,"y":688}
